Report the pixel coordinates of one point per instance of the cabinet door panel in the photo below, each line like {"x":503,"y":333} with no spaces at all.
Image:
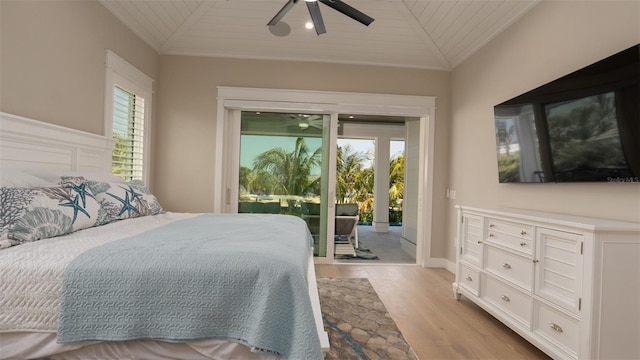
{"x":472,"y":229}
{"x":559,"y":268}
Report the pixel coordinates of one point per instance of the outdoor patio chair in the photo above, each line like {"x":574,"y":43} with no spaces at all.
{"x":311,"y":214}
{"x":346,"y":225}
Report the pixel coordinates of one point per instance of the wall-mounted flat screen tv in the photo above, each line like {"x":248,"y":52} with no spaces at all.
{"x":582,"y":127}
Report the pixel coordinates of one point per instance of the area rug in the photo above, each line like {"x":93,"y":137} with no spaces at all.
{"x":358,"y":324}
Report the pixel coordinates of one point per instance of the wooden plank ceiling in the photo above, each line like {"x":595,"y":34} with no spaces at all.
{"x":429,"y":34}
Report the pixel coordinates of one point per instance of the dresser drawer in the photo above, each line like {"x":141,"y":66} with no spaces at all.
{"x":507,"y":298}
{"x":512,"y":267}
{"x":512,"y":235}
{"x":556,"y":327}
{"x":469,"y":278}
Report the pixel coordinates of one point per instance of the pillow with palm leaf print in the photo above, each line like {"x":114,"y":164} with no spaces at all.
{"x":31,"y":214}
{"x":125,"y":200}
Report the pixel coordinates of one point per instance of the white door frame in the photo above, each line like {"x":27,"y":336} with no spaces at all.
{"x":260,"y":99}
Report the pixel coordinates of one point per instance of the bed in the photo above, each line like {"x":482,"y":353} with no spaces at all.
{"x":140,"y":282}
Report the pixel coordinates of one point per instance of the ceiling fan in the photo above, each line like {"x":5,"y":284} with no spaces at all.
{"x":316,"y":16}
{"x":305,"y":121}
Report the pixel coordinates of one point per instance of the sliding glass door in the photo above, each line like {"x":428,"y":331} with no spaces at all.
{"x":283,"y":168}
{"x":233,"y":101}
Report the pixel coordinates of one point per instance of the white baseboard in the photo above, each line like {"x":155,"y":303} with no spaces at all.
{"x":441,"y":263}
{"x":408,"y":247}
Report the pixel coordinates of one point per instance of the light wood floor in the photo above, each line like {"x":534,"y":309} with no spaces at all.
{"x":421,"y":302}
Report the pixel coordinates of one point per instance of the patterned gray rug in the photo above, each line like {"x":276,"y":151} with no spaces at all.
{"x":358,"y":324}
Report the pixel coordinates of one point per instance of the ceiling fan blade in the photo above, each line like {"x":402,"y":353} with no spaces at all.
{"x":349,"y":11}
{"x":316,"y":17}
{"x":285,"y":9}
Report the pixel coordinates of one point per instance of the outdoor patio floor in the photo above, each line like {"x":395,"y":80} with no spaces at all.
{"x":385,"y":245}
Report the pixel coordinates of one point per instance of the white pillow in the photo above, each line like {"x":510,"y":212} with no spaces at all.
{"x":122,"y":201}
{"x":34,"y":213}
{"x":20,"y":179}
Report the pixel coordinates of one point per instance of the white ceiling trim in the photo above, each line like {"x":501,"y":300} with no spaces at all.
{"x":195,"y":16}
{"x":302,"y":59}
{"x":113,"y":7}
{"x":422,"y":34}
{"x":467,"y":52}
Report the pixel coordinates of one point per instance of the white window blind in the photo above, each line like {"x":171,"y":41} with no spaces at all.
{"x":128,"y":132}
{"x":127,"y":117}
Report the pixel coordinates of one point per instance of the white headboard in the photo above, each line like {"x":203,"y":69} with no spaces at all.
{"x":32,"y":144}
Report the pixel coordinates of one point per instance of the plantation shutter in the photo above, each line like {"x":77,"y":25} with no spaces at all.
{"x":128,"y":130}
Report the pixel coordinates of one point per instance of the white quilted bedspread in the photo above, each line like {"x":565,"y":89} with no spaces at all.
{"x":31,"y":274}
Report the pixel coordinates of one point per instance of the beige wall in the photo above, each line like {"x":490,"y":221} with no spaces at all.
{"x":552,"y":40}
{"x":52,"y":57}
{"x":186,"y":119}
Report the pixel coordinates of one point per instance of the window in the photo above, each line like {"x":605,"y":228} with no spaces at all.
{"x":128,"y":133}
{"x":127,"y":118}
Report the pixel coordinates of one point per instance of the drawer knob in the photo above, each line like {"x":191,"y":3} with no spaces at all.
{"x":523,"y":232}
{"x":523,"y":244}
{"x":505,"y":298}
{"x":479,"y":241}
{"x":491,"y":235}
{"x":491,"y":225}
{"x":469,"y":278}
{"x":506,"y":266}
{"x":556,"y":327}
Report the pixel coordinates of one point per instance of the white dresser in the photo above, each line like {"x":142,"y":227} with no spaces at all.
{"x":570,"y":285}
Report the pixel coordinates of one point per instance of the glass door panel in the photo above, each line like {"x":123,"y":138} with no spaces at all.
{"x":283,"y":165}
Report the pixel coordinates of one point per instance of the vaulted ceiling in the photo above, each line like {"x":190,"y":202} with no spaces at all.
{"x":429,"y":34}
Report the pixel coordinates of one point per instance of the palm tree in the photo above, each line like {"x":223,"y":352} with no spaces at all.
{"x":289,"y":170}
{"x":396,"y":180}
{"x":364,"y":195}
{"x":245,"y":174}
{"x":354,"y":184}
{"x":261,"y":182}
{"x":349,"y":174}
{"x":396,"y":187}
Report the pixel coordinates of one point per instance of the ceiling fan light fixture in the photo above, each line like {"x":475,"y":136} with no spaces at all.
{"x":308,"y":25}
{"x":303,"y":125}
{"x":316,"y":16}
{"x":280,"y":28}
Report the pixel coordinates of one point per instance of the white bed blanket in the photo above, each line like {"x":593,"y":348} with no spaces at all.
{"x":36,"y":345}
